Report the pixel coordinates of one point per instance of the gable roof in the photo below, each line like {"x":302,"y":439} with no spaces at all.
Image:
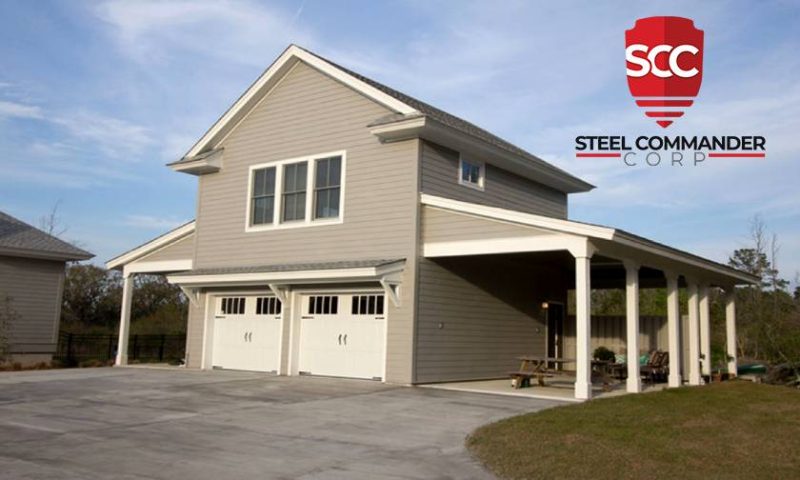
{"x":18,"y":239}
{"x":161,"y":241}
{"x":403,"y":106}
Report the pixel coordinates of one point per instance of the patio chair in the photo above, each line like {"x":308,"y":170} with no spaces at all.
{"x":657,"y":367}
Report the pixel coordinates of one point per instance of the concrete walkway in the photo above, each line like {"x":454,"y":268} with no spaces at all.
{"x":178,"y":424}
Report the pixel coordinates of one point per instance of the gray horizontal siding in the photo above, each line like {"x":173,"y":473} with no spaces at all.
{"x":442,"y":226}
{"x":34,"y":287}
{"x":490,"y":311}
{"x":502,"y":189}
{"x":194,"y":333}
{"x":183,"y":249}
{"x":311,"y":113}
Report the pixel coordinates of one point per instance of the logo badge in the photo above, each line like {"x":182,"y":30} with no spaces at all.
{"x":664,"y":63}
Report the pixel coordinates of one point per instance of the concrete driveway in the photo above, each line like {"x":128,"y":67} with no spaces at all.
{"x":178,"y":424}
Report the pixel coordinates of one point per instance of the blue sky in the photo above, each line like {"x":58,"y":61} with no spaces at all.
{"x":95,"y":97}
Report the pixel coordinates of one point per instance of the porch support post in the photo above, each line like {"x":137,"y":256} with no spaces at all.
{"x":673,"y":331}
{"x":705,"y":330}
{"x":730,"y":329}
{"x":694,"y":333}
{"x":634,"y":383}
{"x":125,"y":320}
{"x":583,"y":329}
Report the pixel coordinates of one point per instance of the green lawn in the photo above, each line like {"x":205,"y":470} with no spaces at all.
{"x":731,"y":430}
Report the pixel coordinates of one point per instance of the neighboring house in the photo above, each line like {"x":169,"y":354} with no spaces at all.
{"x":346,"y":229}
{"x":32,"y":266}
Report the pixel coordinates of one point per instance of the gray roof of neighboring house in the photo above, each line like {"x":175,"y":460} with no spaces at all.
{"x":294,"y":267}
{"x":17,"y":238}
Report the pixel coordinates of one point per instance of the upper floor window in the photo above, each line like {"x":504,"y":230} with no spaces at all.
{"x":263,"y":208}
{"x":296,"y":192}
{"x":471,"y":173}
{"x":327,"y":187}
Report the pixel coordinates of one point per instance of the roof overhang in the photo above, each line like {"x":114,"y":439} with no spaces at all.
{"x":310,"y":276}
{"x":209,"y":162}
{"x":157,"y":243}
{"x":419,"y":126}
{"x":608,"y":241}
{"x":43,"y":255}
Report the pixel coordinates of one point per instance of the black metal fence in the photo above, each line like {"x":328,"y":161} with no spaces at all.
{"x":74,"y":348}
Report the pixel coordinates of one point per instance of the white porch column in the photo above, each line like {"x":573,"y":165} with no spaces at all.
{"x":673,"y":330}
{"x":634,"y":382}
{"x":705,"y":330}
{"x":694,"y":333}
{"x":730,"y":328}
{"x":583,"y":329}
{"x":125,"y":320}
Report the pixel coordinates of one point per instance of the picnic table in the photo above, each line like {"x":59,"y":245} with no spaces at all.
{"x":539,"y":367}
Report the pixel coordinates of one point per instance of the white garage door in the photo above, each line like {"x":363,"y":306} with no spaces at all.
{"x":247,"y":333}
{"x":343,"y":335}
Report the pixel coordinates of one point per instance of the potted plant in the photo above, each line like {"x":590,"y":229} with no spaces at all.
{"x":719,"y":362}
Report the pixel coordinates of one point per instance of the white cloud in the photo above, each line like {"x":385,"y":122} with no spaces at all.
{"x":117,"y":138}
{"x":152,"y":222}
{"x":19,"y":110}
{"x":233,"y":30}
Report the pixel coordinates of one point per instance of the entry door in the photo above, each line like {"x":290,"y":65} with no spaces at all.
{"x":555,"y":331}
{"x":342,"y":335}
{"x":247,"y":333}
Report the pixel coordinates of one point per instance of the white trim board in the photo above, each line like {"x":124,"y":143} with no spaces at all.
{"x":158,"y":266}
{"x":278,"y":278}
{"x":311,"y":175}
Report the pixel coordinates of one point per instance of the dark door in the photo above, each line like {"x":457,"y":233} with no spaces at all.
{"x":555,"y":330}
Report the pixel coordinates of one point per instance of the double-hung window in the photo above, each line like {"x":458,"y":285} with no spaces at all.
{"x":327,"y":187}
{"x":294,"y":191}
{"x":471,"y":174}
{"x":299,"y":192}
{"x":263,"y":201}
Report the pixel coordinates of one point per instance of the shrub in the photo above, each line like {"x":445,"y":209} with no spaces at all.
{"x":604,"y":354}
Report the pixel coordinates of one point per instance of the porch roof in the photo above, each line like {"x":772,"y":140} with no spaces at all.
{"x":456,"y":228}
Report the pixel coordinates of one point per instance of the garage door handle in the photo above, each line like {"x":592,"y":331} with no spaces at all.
{"x":345,"y":339}
{"x":340,"y":339}
{"x":245,"y":336}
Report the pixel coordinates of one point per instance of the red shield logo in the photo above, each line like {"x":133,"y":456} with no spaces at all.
{"x":664,"y":62}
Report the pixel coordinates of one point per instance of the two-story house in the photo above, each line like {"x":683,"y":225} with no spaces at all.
{"x":346,"y":229}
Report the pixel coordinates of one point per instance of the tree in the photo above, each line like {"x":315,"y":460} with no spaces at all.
{"x":93,"y":297}
{"x":768,"y":317}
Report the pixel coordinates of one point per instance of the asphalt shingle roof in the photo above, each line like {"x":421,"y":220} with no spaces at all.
{"x":17,"y":237}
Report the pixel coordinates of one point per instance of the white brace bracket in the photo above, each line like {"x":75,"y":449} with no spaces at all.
{"x":193,"y":294}
{"x":279,"y":291}
{"x":391,"y":286}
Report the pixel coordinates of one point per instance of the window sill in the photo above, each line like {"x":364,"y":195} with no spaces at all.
{"x":479,"y":188}
{"x":293,"y":224}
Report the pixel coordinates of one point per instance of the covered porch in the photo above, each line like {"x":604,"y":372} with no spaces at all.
{"x":532,"y":262}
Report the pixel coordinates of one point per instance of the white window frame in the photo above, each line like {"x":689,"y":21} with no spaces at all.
{"x":311,"y":174}
{"x":481,"y":173}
